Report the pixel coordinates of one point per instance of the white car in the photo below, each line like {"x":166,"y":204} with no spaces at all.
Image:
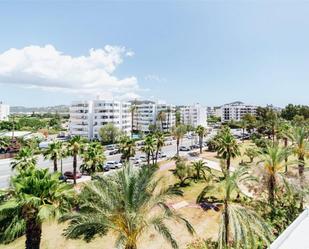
{"x":113,"y":164}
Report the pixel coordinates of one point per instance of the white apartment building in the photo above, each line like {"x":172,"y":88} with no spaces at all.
{"x":115,"y":112}
{"x":4,"y":111}
{"x":146,"y":114}
{"x":81,"y":119}
{"x":236,"y":110}
{"x":193,"y":115}
{"x":87,"y":117}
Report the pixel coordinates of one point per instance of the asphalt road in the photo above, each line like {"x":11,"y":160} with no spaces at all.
{"x":6,"y":172}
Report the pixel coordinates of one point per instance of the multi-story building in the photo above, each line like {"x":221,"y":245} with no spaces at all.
{"x":193,"y":115}
{"x":81,"y":119}
{"x":214,"y":111}
{"x":148,"y":113}
{"x":115,"y":112}
{"x":87,"y":117}
{"x":236,"y":110}
{"x":4,"y":111}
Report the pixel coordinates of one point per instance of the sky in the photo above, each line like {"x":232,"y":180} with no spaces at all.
{"x":178,"y":52}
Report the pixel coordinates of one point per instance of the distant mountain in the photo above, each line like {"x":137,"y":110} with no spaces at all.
{"x":47,"y":109}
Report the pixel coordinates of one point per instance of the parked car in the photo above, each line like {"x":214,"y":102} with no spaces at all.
{"x":70,"y":175}
{"x":143,"y":158}
{"x":168,"y":143}
{"x":162,"y":155}
{"x":184,"y":148}
{"x":109,"y":147}
{"x":113,"y":164}
{"x":114,"y":152}
{"x":193,"y":154}
{"x":106,"y":168}
{"x":194,"y":146}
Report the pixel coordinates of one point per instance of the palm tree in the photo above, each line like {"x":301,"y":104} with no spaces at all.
{"x":159,"y":140}
{"x":243,"y":125}
{"x":149,"y":148}
{"x":226,"y":146}
{"x":64,"y":153}
{"x":178,"y":132}
{"x":74,"y":148}
{"x":251,"y":152}
{"x":133,"y":109}
{"x":273,"y":159}
{"x":25,"y":158}
{"x":126,"y":203}
{"x":93,"y":157}
{"x":53,"y":153}
{"x":284,"y":133}
{"x":127,"y":148}
{"x":201,"y":131}
{"x":200,"y":169}
{"x":168,"y":113}
{"x":161,"y":117}
{"x":35,"y":196}
{"x":301,"y":150}
{"x":240,"y":225}
{"x":183,"y":171}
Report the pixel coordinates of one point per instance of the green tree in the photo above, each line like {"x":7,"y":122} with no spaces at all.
{"x":35,"y":196}
{"x":161,"y":117}
{"x":127,"y":204}
{"x":200,"y":169}
{"x":159,"y":141}
{"x":178,"y":132}
{"x":24,"y":158}
{"x":133,"y":109}
{"x":251,"y":152}
{"x":75,"y":148}
{"x":109,"y":133}
{"x":226,"y":146}
{"x":127,"y":148}
{"x":201,"y":132}
{"x":149,"y":148}
{"x":93,"y":158}
{"x":53,"y":153}
{"x":183,"y":172}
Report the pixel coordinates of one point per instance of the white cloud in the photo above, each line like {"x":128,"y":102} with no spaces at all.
{"x":49,"y":69}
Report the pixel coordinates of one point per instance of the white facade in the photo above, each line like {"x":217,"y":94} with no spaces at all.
{"x":115,"y":112}
{"x":194,"y":115}
{"x":236,"y":110}
{"x":87,"y":117}
{"x":146,"y":114}
{"x":4,"y":111}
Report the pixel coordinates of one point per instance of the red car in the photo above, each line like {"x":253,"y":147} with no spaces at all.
{"x":69,"y":175}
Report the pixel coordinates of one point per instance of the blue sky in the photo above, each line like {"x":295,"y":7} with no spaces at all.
{"x":210,"y":52}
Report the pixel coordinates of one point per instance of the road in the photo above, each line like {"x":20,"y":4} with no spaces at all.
{"x":6,"y":172}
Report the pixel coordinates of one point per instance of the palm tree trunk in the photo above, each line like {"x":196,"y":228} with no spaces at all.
{"x":55,"y":165}
{"x":243,"y":135}
{"x":130,"y":246}
{"x":61,"y":166}
{"x":33,"y":233}
{"x":153,"y":158}
{"x":271,"y":190}
{"x":301,"y":168}
{"x":286,"y":157}
{"x":201,"y":144}
{"x":177,"y":146}
{"x":148,"y":158}
{"x":228,"y":164}
{"x":74,"y":168}
{"x":226,"y":223}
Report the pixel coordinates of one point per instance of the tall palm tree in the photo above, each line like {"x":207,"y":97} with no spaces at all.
{"x":64,"y":153}
{"x":34,"y":196}
{"x":300,"y":145}
{"x":149,"y":148}
{"x":161,"y":117}
{"x":74,"y":148}
{"x":240,"y":225}
{"x":284,"y":133}
{"x":93,"y":158}
{"x":53,"y":153}
{"x":133,"y":109}
{"x":127,"y":148}
{"x":178,"y":132}
{"x":201,"y":132}
{"x":273,"y":159}
{"x":168,"y":113}
{"x":126,"y":203}
{"x":243,"y":126}
{"x":159,"y":140}
{"x":226,"y":146}
{"x":25,"y":158}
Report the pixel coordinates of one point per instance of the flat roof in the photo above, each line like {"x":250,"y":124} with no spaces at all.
{"x":296,"y":235}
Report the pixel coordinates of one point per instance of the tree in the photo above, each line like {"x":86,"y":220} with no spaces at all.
{"x":200,"y":169}
{"x":64,"y":153}
{"x":159,"y":140}
{"x":273,"y":159}
{"x":183,"y":172}
{"x":35,"y":196}
{"x":161,"y":117}
{"x":133,"y":109}
{"x":284,"y":133}
{"x":109,"y":133}
{"x":243,"y":126}
{"x":301,"y":150}
{"x":201,"y":132}
{"x":251,"y":152}
{"x":127,"y":148}
{"x":93,"y":158}
{"x":226,"y":146}
{"x":74,"y":148}
{"x":178,"y":132}
{"x":250,"y":121}
{"x":149,"y":148}
{"x":53,"y":153}
{"x":126,"y":203}
{"x":25,"y":158}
